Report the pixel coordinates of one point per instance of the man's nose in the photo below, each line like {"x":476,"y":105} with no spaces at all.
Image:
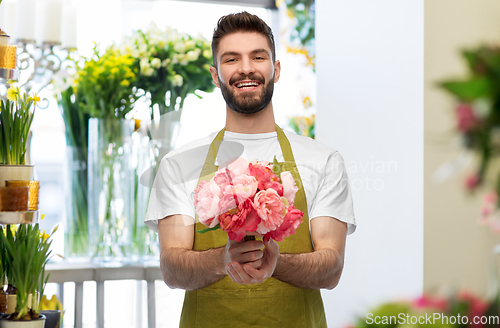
{"x":246,"y":66}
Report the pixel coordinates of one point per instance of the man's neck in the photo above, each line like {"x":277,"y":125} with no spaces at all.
{"x":261,"y":122}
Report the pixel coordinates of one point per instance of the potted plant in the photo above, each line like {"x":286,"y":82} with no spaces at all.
{"x":26,"y":251}
{"x":16,"y":116}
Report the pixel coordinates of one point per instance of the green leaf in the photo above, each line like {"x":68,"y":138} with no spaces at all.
{"x":468,"y":90}
{"x":209,"y":229}
{"x":277,"y":169}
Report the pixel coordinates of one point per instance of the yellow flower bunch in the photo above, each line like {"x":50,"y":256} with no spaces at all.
{"x":105,"y":82}
{"x":14,"y":94}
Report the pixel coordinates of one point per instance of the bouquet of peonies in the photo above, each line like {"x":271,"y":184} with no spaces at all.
{"x":255,"y":198}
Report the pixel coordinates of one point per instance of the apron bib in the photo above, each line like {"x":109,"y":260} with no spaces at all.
{"x":272,"y":303}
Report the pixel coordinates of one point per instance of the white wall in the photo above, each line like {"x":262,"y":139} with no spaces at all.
{"x":370,"y":108}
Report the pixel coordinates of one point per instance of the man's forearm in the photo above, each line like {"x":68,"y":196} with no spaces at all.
{"x":188,"y":269}
{"x":318,"y":269}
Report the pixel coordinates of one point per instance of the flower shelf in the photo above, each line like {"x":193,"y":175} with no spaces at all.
{"x":9,"y":74}
{"x":19,"y":217}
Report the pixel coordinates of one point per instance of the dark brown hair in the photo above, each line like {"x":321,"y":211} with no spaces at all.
{"x":241,"y":22}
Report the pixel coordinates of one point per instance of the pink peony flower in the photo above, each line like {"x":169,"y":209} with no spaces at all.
{"x":223,"y":177}
{"x":227,"y":202}
{"x":271,"y":210}
{"x":266,"y":178}
{"x":244,"y":186}
{"x":239,"y":167}
{"x":239,"y":220}
{"x":207,"y":203}
{"x":289,"y":186}
{"x":291,"y":222}
{"x":197,"y":191}
{"x":467,"y":120}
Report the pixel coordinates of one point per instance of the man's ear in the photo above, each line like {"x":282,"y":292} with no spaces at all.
{"x":215,"y":77}
{"x":277,"y":70}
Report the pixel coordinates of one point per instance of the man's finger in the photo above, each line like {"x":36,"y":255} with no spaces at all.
{"x":256,"y":275}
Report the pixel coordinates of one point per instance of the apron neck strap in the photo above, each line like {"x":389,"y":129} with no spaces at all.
{"x":286,"y":149}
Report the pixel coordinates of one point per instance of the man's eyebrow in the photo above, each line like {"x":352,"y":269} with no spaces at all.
{"x":234,"y":53}
{"x":230,"y":53}
{"x":256,"y":51}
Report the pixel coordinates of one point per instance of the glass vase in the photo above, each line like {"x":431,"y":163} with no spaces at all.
{"x":152,"y":141}
{"x":111,"y":188}
{"x":145,"y":241}
{"x":76,"y":234}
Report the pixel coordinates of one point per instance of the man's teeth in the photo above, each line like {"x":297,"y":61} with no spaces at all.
{"x":247,"y":85}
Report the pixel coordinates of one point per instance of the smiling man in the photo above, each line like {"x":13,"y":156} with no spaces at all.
{"x":251,"y":283}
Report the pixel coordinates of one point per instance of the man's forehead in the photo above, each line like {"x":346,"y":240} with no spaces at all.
{"x":242,"y":42}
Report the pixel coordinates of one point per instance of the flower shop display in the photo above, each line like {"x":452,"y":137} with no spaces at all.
{"x":462,"y":309}
{"x":109,"y":147}
{"x":249,"y":199}
{"x":477,"y":114}
{"x":160,"y":66}
{"x":18,"y":191}
{"x":25,"y":252}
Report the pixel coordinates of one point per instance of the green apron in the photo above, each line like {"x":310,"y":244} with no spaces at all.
{"x":272,"y":303}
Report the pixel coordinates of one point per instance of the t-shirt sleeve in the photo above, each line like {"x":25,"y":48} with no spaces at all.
{"x":333,"y":197}
{"x":169,"y":194}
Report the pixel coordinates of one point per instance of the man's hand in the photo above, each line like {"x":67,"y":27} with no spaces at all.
{"x":246,"y":273}
{"x":244,"y":252}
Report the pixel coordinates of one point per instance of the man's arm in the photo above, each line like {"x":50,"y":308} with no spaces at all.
{"x":184,"y":268}
{"x":319,"y":269}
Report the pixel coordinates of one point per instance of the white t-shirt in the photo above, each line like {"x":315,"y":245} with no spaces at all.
{"x":321,"y":169}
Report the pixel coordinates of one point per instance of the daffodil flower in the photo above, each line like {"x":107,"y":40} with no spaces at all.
{"x":13,"y":94}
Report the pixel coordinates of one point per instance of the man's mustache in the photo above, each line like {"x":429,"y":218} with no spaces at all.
{"x":253,"y":77}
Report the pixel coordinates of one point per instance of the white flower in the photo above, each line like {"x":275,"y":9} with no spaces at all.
{"x":183,"y":60}
{"x":180,"y":47}
{"x":144,"y":62}
{"x":193,"y":54}
{"x":143,"y":48}
{"x":190,"y":44}
{"x":175,"y":59}
{"x":207,"y":54}
{"x":177,"y":80}
{"x":148,"y":71}
{"x":156,"y":62}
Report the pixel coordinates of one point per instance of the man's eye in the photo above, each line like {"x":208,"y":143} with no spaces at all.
{"x":230,"y":60}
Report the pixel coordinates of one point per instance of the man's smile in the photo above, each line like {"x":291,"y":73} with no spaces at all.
{"x":247,"y":85}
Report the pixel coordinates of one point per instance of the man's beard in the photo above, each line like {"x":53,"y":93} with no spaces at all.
{"x":248,"y":104}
